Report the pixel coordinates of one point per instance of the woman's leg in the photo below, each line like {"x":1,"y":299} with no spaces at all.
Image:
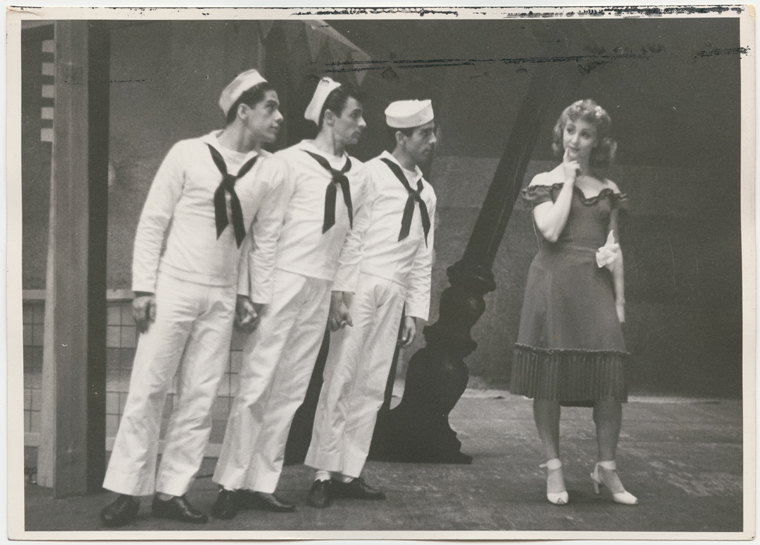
{"x":608,"y":417}
{"x":546,"y":414}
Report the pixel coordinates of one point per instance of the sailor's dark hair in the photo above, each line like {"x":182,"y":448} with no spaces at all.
{"x":336,"y":101}
{"x":250,"y":97}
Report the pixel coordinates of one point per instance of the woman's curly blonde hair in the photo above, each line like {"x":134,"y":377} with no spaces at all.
{"x":589,"y":111}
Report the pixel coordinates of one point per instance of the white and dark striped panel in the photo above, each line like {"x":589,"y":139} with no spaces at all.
{"x":47,"y":90}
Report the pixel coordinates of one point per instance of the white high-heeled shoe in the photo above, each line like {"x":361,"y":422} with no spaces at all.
{"x":605,"y":474}
{"x":555,"y":482}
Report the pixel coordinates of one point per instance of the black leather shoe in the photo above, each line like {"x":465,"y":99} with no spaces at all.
{"x":356,"y":489}
{"x":177,"y":508}
{"x":320,"y":494}
{"x":120,"y":512}
{"x":224,"y":508}
{"x":250,"y":499}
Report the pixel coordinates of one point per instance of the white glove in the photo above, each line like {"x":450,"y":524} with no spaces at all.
{"x":609,"y":253}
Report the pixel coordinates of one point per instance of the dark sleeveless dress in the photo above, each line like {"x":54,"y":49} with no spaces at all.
{"x":570,"y":345}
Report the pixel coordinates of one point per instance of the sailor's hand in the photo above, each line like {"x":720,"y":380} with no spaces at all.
{"x":408,"y":331}
{"x":246,"y":314}
{"x":340,"y":316}
{"x":258,"y":311}
{"x":144,"y":310}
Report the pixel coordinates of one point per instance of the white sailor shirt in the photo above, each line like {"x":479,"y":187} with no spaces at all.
{"x":409,"y":261}
{"x":181,"y":200}
{"x":303,"y":248}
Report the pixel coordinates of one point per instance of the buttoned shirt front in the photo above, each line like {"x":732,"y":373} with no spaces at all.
{"x":181,"y":200}
{"x":303,"y":248}
{"x":408,"y":261}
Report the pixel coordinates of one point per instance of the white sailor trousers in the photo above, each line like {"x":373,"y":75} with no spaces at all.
{"x":355,"y":376}
{"x":278,"y":359}
{"x":190,"y":337}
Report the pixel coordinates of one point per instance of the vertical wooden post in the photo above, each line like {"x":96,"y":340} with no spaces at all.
{"x":98,"y":83}
{"x":75,"y":298}
{"x":69,"y":295}
{"x":46,"y":451}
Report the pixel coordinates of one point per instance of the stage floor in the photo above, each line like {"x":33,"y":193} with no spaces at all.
{"x":681,"y":457}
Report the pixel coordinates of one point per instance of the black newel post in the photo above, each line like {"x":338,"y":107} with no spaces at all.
{"x":418,"y":429}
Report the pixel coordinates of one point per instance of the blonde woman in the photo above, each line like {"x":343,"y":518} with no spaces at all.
{"x":570,"y":348}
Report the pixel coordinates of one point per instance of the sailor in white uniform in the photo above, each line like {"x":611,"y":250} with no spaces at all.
{"x":395,"y":271}
{"x":318,"y":257}
{"x":206,"y":195}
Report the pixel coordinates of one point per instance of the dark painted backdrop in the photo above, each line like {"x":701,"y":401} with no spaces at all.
{"x":671,"y":87}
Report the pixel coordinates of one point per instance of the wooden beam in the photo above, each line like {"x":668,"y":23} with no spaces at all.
{"x":72,"y":458}
{"x":69,"y":295}
{"x":99,"y":74}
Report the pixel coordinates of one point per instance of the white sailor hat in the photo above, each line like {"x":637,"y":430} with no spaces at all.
{"x":406,"y":114}
{"x":324,"y":88}
{"x":239,"y":85}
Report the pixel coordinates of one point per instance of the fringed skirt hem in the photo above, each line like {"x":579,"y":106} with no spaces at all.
{"x":570,"y":376}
